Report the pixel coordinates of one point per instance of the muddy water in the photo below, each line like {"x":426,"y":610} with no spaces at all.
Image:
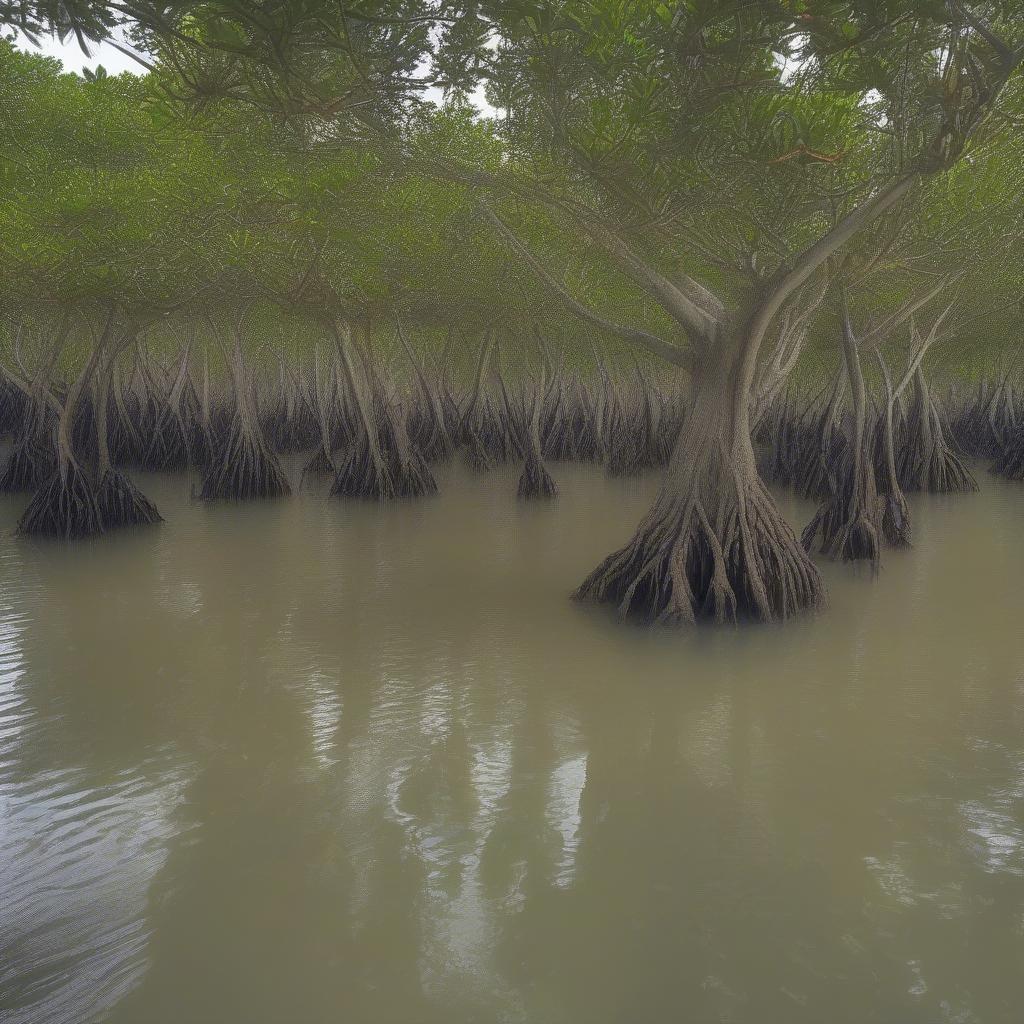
{"x":310,"y":762}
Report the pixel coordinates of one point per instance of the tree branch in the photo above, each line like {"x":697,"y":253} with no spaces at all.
{"x":672,"y":353}
{"x":815,"y":254}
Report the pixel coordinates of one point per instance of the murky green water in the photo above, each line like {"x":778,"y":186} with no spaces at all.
{"x":311,"y":761}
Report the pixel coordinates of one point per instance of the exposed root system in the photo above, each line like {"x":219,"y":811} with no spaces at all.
{"x":27,"y":467}
{"x":122,"y":504}
{"x":700,"y":557}
{"x":848,"y":526}
{"x":245,"y":468}
{"x":65,"y":507}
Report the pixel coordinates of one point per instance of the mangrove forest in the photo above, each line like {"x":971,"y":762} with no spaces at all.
{"x":511,"y":511}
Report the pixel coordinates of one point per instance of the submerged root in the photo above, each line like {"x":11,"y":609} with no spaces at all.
{"x":687,"y":564}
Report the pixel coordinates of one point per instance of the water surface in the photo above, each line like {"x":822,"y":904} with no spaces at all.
{"x":312,"y":761}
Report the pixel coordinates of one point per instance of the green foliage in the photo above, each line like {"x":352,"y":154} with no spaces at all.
{"x":285,"y":155}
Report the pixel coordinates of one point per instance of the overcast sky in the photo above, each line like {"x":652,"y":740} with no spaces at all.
{"x":73,"y":59}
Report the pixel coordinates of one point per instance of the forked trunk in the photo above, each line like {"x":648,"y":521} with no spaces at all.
{"x":715,"y":545}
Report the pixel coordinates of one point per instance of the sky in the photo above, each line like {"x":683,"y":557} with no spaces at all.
{"x":73,"y":59}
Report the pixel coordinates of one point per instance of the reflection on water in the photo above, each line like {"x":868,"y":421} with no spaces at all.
{"x":318,"y":761}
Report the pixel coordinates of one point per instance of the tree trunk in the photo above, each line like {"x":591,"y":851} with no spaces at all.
{"x":714,"y":546}
{"x":363,"y":472}
{"x":535,"y":481}
{"x":322,"y":460}
{"x":849,"y":520}
{"x":65,"y":506}
{"x":896,"y":511}
{"x":120,"y":502}
{"x":928,"y":462}
{"x":246,"y":466}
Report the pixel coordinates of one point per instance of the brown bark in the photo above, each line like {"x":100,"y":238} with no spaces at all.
{"x":849,"y":521}
{"x":714,"y":546}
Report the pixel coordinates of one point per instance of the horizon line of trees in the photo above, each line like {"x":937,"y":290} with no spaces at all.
{"x":802,"y":215}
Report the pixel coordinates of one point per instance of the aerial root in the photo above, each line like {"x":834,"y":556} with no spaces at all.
{"x":896,"y":520}
{"x":381,"y":474}
{"x":850,"y":528}
{"x":65,"y":507}
{"x":28,"y":466}
{"x":321,"y":464}
{"x":1010,"y":463}
{"x":121,"y":503}
{"x":535,"y":481}
{"x":949,"y":475}
{"x":685,"y":566}
{"x":245,"y":468}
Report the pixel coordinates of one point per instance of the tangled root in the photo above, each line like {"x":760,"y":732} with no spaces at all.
{"x":679,"y":568}
{"x":851,"y":537}
{"x":428,"y":434}
{"x":170,"y":446}
{"x":849,"y":522}
{"x":939,"y":471}
{"x":28,"y":467}
{"x":1010,"y":463}
{"x":535,"y":481}
{"x":320,"y":464}
{"x":435,"y":446}
{"x":948,"y":475}
{"x":360,"y":475}
{"x":412,"y":477}
{"x":478,"y":456}
{"x":121,"y":503}
{"x":818,"y":460}
{"x":384,"y":477}
{"x":66,"y":506}
{"x":489,"y":440}
{"x":246,"y":468}
{"x":926,"y":461}
{"x":896,"y":520}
